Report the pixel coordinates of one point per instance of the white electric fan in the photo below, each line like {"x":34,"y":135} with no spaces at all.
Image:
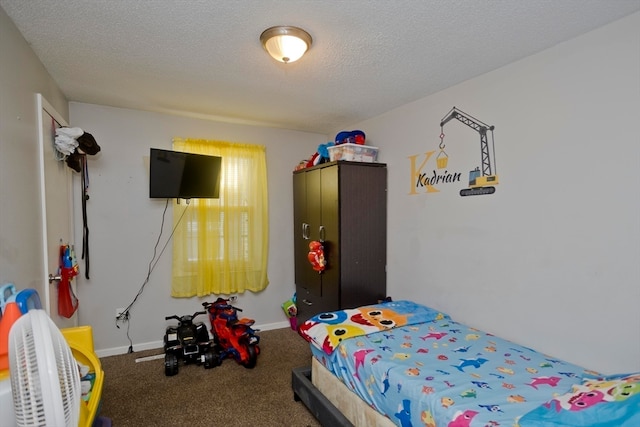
{"x":45,"y":381}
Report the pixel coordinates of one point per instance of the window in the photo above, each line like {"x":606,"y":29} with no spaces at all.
{"x":220,"y":246}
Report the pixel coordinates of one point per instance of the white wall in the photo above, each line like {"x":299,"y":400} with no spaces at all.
{"x":551,"y":260}
{"x":22,"y":76}
{"x":124,"y":223}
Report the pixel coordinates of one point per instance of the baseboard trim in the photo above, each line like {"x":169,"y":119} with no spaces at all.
{"x":114,"y":351}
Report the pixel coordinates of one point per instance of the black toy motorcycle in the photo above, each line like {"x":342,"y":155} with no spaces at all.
{"x":190,"y":342}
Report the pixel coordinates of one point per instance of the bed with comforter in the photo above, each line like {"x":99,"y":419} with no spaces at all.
{"x":411,"y":365}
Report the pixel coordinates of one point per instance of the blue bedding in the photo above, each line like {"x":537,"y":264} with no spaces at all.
{"x":438,"y":372}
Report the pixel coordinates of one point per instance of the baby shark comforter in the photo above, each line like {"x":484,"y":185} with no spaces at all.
{"x":419,"y":367}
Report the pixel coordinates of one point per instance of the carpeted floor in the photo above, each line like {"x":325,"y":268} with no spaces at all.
{"x":139,"y":394}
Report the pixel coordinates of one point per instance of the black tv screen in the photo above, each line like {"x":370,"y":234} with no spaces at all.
{"x":179,"y":175}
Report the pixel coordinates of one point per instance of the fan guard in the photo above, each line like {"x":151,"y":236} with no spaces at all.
{"x":45,"y":380}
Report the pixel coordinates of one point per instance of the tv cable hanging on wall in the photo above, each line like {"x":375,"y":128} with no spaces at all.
{"x":125,"y":315}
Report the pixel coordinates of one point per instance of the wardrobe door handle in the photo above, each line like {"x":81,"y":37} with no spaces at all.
{"x":305,"y":231}
{"x":307,"y":302}
{"x":321,"y":233}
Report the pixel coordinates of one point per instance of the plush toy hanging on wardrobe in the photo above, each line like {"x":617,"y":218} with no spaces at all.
{"x":316,"y":256}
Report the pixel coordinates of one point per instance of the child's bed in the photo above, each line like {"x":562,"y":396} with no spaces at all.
{"x":401,"y":363}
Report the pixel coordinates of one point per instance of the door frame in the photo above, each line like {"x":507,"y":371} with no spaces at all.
{"x":45,"y":108}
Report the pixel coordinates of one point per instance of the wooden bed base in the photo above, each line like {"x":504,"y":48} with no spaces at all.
{"x":330,"y":401}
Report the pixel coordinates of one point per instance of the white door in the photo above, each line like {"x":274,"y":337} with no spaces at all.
{"x":57,"y":210}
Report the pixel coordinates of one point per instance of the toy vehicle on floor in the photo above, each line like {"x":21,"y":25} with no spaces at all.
{"x":189,"y":342}
{"x":233,"y":337}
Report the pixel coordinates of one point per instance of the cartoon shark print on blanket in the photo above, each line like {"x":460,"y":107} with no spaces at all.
{"x":495,"y":378}
{"x":404,"y":413}
{"x":385,"y":383}
{"x":462,"y":418}
{"x":327,"y":330}
{"x":550,"y":381}
{"x":382,"y":318}
{"x":476,"y":363}
{"x":336,"y":333}
{"x":359,"y":357}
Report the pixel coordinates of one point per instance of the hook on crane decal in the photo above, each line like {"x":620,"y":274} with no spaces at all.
{"x":443,"y":158}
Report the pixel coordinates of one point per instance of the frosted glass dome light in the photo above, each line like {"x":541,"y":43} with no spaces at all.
{"x":286,"y":44}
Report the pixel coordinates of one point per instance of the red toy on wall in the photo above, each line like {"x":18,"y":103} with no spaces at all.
{"x":316,"y":256}
{"x":67,"y":300}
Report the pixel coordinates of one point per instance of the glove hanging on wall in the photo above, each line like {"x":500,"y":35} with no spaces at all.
{"x":316,"y":256}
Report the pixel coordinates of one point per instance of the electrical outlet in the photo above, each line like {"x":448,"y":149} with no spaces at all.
{"x":119,"y":312}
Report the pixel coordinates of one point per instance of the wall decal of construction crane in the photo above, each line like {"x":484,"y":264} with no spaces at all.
{"x":481,"y":181}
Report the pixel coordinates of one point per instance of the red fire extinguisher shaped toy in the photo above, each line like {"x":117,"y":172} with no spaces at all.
{"x":316,"y":256}
{"x":67,"y":300}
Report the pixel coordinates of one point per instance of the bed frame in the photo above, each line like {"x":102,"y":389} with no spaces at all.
{"x":330,"y":401}
{"x":321,"y":408}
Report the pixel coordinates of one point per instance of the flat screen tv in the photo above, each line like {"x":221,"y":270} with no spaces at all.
{"x":179,"y":175}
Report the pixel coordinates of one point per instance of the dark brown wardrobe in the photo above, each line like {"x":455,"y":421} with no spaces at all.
{"x":344,"y":206}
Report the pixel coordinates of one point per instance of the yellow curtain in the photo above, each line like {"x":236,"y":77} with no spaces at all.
{"x":220,"y":246}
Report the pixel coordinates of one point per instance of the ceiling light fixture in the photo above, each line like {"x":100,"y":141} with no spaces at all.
{"x":285,"y":44}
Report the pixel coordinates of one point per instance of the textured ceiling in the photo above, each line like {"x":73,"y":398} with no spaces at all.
{"x":203,"y":58}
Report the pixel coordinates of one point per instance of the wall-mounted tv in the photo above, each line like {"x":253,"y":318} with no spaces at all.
{"x":179,"y":175}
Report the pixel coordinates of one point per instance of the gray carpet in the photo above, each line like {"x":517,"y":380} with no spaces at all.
{"x":139,"y":394}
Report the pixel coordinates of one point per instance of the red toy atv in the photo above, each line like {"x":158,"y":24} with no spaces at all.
{"x":233,"y":337}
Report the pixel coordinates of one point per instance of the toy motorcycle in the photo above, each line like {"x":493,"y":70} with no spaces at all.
{"x":190,"y":342}
{"x":234,"y":337}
